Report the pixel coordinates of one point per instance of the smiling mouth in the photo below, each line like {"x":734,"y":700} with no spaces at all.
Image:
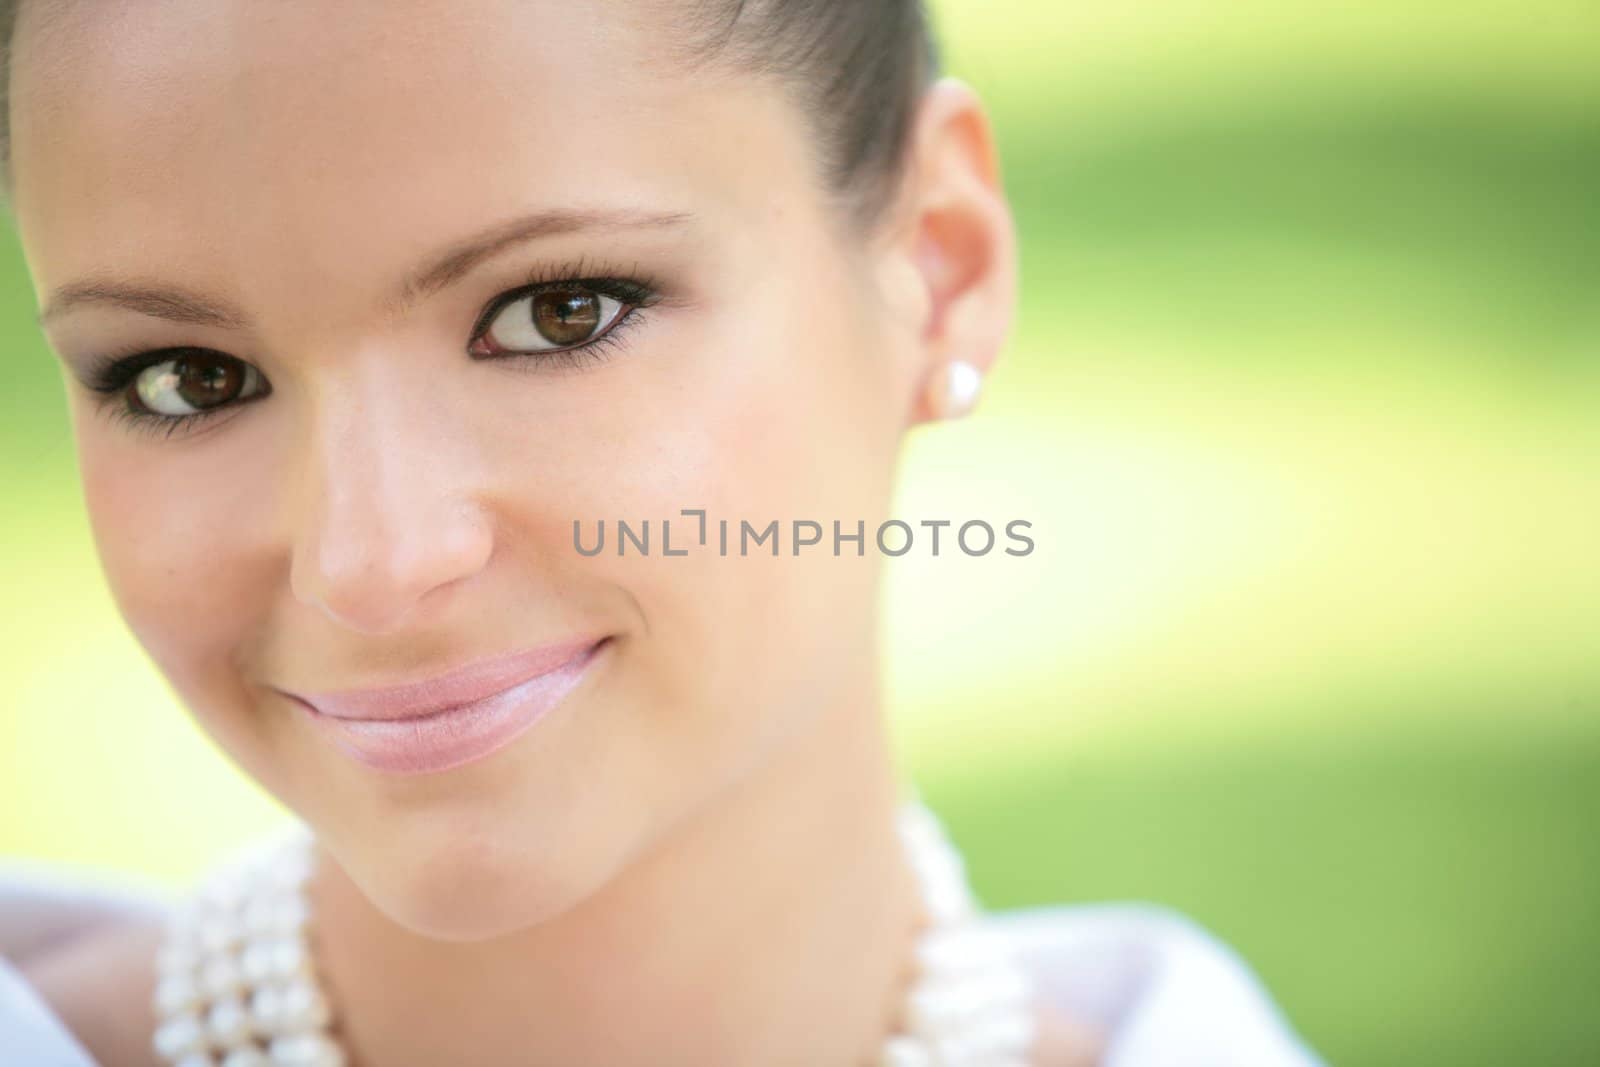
{"x":422,"y":740}
{"x":468,"y":684}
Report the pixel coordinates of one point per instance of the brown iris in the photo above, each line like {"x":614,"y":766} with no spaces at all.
{"x":566,"y":316}
{"x":206,"y":381}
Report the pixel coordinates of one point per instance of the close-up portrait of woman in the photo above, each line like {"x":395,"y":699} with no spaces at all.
{"x":502,"y":571}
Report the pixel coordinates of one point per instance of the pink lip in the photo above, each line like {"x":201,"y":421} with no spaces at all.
{"x":455,"y":718}
{"x":465,"y":685}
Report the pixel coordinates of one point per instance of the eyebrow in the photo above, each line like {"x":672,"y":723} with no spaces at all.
{"x":451,"y":264}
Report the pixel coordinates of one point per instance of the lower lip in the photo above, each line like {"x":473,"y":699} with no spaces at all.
{"x":446,"y":739}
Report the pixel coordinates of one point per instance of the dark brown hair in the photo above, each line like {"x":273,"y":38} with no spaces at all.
{"x":856,"y":68}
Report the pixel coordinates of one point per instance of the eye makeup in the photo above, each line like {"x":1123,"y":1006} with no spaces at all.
{"x":115,"y":377}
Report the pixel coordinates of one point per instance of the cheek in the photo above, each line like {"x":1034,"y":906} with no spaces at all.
{"x":764,"y":412}
{"x":170,"y":550}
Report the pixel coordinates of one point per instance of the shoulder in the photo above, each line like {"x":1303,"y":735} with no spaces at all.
{"x":78,"y":974}
{"x":1160,"y":987}
{"x":101,"y":987}
{"x":44,"y":905}
{"x":30,"y":1028}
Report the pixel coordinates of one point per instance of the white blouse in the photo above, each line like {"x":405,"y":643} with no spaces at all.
{"x":1163,"y":991}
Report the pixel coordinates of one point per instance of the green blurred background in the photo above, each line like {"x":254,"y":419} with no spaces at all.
{"x":1302,"y":403}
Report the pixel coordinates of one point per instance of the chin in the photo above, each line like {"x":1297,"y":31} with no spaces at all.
{"x":480,"y":857}
{"x":467,"y":892}
{"x":460,"y":877}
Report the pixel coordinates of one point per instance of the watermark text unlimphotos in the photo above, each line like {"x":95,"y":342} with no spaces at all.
{"x":893,"y":537}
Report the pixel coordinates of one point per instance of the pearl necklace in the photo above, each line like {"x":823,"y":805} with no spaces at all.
{"x":237,"y":984}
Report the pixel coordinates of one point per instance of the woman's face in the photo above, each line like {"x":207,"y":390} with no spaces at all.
{"x":371,"y":502}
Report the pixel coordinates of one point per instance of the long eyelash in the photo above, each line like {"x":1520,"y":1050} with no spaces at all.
{"x":112,"y":374}
{"x":582,"y":272}
{"x":115,"y":371}
{"x":169,"y":425}
{"x":629,"y":286}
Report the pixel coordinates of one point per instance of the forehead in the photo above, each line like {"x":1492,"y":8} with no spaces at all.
{"x":232,"y":137}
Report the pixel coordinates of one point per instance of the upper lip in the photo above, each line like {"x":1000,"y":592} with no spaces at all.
{"x":468,"y":684}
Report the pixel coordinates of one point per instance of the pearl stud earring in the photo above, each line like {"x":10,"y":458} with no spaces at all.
{"x":954,"y":389}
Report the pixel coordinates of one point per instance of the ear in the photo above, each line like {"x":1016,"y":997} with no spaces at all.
{"x":952,"y":252}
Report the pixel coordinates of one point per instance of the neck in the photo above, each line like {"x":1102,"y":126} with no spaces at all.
{"x":774,"y":926}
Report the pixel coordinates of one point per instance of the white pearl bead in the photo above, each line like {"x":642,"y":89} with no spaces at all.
{"x":916,"y":1051}
{"x":954,"y":388}
{"x":306,"y":1050}
{"x":288,"y":957}
{"x":220,"y":976}
{"x":274,"y":957}
{"x":925,"y":1021}
{"x":228,"y":1022}
{"x":934,"y":1006}
{"x":257,"y":916}
{"x":179,"y":1035}
{"x":303,"y":1006}
{"x":176,"y":991}
{"x":222,"y":892}
{"x":902,"y":1051}
{"x":266,"y":1009}
{"x":256,"y":961}
{"x":246,"y":1056}
{"x":1012,"y":1032}
{"x":290,"y":870}
{"x":198,"y":1059}
{"x":289,"y":915}
{"x":969,"y":1007}
{"x":248,"y":860}
{"x":984,"y":1038}
{"x":954,"y":950}
{"x":219,"y":933}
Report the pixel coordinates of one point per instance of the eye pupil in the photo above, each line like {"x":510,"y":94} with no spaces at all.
{"x":206,"y":383}
{"x":566,"y":316}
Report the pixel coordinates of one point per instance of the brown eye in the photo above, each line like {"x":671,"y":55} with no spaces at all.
{"x":194,"y":382}
{"x":552,"y":319}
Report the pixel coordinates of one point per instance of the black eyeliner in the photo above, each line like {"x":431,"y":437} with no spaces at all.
{"x":628,"y":287}
{"x":111,"y":375}
{"x":115,"y":371}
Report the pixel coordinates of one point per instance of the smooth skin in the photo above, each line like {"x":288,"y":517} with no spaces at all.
{"x":693,"y":861}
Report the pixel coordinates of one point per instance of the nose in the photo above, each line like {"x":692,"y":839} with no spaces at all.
{"x":388,"y":521}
